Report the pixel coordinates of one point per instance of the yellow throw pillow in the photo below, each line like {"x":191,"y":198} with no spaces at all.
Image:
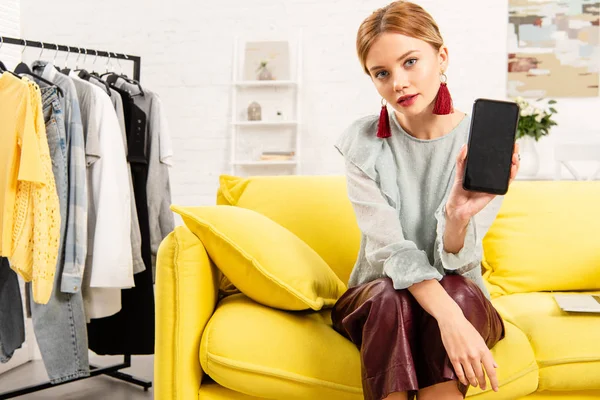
{"x":264,"y":260}
{"x":313,"y":207}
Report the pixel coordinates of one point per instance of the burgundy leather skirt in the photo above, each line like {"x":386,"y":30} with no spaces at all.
{"x":400,"y":344}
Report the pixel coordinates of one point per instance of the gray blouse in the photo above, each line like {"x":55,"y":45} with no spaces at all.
{"x":398,"y":187}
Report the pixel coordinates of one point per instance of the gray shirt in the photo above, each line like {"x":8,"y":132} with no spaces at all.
{"x":398,"y":188}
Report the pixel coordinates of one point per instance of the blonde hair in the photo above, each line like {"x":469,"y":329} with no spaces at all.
{"x":402,"y":17}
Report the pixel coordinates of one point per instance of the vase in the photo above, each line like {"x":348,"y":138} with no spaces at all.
{"x":265,"y":74}
{"x":530,"y":159}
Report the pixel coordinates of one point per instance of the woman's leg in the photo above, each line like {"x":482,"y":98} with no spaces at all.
{"x":397,"y":396}
{"x":380,"y":321}
{"x":442,"y":391}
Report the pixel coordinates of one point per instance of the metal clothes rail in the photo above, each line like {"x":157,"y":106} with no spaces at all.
{"x":112,"y":370}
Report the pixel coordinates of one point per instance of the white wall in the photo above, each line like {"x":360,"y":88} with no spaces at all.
{"x":186,"y":49}
{"x":10,"y":25}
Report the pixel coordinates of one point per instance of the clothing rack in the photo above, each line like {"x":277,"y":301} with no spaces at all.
{"x":72,"y":49}
{"x":112,"y":370}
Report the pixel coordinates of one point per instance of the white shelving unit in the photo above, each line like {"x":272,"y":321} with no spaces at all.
{"x":258,"y":136}
{"x":250,"y":163}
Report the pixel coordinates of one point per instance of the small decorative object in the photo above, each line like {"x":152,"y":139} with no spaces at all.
{"x":534,"y":123}
{"x":258,"y":53}
{"x":279,"y":116}
{"x":264,"y":74}
{"x":254,"y":112}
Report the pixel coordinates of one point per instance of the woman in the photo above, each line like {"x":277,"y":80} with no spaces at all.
{"x":416,"y":306}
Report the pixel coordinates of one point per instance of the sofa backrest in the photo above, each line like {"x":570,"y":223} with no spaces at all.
{"x":545,"y":237}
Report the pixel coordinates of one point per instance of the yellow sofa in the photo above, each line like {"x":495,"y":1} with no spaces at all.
{"x":215,"y":347}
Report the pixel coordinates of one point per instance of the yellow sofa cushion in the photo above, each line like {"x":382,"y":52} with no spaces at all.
{"x":544,"y":238}
{"x":263,"y":259}
{"x":269,"y":353}
{"x":578,"y":395}
{"x":566,"y":346}
{"x":264,"y":352}
{"x":315,"y":208}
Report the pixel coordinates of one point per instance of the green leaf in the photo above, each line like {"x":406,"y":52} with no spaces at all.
{"x":552,"y":102}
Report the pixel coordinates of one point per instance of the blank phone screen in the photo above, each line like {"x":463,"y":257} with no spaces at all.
{"x":491,"y":145}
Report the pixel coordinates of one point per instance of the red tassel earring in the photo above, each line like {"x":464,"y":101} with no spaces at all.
{"x":383,"y":128}
{"x":443,"y":102}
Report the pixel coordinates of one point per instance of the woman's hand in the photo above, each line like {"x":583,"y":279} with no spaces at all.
{"x":468,"y":352}
{"x":463,"y":204}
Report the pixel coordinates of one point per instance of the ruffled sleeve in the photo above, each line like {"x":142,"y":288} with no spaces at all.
{"x":386,"y":249}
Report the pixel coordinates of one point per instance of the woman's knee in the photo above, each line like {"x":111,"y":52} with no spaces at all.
{"x":467,"y":295}
{"x":387,"y":297}
{"x":462,"y":290}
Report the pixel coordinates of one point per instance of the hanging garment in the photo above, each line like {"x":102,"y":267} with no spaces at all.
{"x":109,"y":265}
{"x":12,"y":324}
{"x":75,"y":246}
{"x":59,"y":325}
{"x":19,"y":157}
{"x":159,"y":152}
{"x":30,"y":207}
{"x":131,"y":331}
{"x":136,"y":236}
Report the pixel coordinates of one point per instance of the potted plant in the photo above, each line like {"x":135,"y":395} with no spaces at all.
{"x":535,"y":122}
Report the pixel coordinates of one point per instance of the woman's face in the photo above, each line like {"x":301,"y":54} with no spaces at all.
{"x":406,"y":71}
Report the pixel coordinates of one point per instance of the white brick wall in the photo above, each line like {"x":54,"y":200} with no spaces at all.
{"x":186,"y":50}
{"x":10,"y":25}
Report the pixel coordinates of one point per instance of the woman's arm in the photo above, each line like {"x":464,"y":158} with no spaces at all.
{"x":465,"y":347}
{"x":464,"y":220}
{"x":454,"y":233}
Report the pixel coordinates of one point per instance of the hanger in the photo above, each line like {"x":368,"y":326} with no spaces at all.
{"x":66,"y":69}
{"x":85,"y":75}
{"x":112,"y":72}
{"x":23,"y":68}
{"x":112,"y":79}
{"x":54,"y":59}
{"x":113,"y":76}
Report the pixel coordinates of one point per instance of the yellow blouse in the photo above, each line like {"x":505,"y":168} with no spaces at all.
{"x":31,"y":216}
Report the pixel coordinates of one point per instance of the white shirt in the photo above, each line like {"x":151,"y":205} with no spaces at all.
{"x":109,"y":262}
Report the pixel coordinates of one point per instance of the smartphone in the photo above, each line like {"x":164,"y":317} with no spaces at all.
{"x":491,"y":146}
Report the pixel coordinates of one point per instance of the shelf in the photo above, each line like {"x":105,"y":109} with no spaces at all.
{"x":265,"y":123}
{"x":283,"y":94}
{"x":257,"y":83}
{"x":257,"y":163}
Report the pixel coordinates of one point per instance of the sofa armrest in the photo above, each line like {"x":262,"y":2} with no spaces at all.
{"x":187,"y":284}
